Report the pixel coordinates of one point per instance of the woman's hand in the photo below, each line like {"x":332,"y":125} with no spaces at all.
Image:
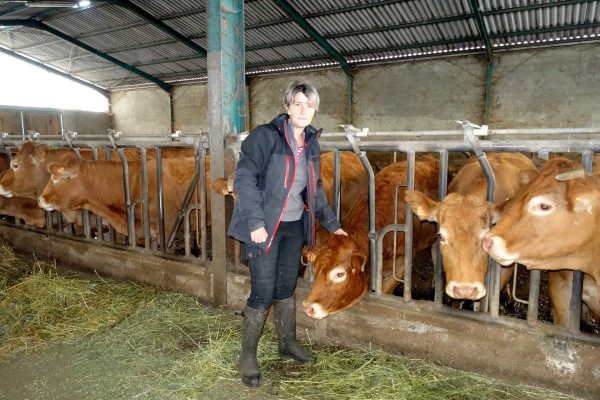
{"x":260,"y":235}
{"x":340,"y":232}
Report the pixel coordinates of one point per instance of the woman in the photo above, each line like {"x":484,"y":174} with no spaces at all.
{"x":279,"y":195}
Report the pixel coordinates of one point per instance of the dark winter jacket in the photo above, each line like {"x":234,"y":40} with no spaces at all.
{"x":263,"y":180}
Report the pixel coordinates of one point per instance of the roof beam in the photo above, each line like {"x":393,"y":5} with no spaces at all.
{"x":315,"y":35}
{"x":40,"y":25}
{"x":362,"y":32}
{"x":13,"y":10}
{"x":546,"y":30}
{"x":102,"y":91}
{"x":161,"y":25}
{"x":533,"y":6}
{"x":482,"y":29}
{"x":367,"y":51}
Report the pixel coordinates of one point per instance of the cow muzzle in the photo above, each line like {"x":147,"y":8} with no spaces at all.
{"x":314,"y":310}
{"x":495,"y":246}
{"x":4,"y":192}
{"x":43,"y":204}
{"x":465,"y":290}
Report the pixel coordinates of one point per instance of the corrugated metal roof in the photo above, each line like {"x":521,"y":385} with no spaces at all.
{"x":360,"y":31}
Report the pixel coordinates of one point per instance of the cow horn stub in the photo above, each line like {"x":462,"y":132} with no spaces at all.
{"x":569,"y":175}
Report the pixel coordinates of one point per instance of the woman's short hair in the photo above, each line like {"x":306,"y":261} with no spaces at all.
{"x":301,"y":87}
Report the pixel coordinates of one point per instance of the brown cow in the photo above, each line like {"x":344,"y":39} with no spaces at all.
{"x":464,"y":217}
{"x":20,"y":207}
{"x":98,"y":186}
{"x":28,"y":174}
{"x":554,"y":224}
{"x":341,"y":266}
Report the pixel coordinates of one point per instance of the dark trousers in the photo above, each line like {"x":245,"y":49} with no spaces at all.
{"x":273,"y":275}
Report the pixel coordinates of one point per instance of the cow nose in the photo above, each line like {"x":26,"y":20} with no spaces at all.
{"x":309,"y":309}
{"x":488,"y":242}
{"x":466,"y":291}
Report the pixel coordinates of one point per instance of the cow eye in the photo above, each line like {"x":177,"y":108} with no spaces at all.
{"x":543,"y":207}
{"x":340,"y":274}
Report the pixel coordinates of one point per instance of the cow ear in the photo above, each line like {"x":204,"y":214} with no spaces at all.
{"x":61,"y":171}
{"x":582,"y":199}
{"x":358,"y":262}
{"x":40,"y":151}
{"x":421,"y":205}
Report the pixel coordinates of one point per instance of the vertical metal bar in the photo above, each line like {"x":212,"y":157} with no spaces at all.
{"x":85,"y":214}
{"x":577,"y":291}
{"x":99,"y":228}
{"x":494,"y":300}
{"x":187,"y":230}
{"x":437,"y":269}
{"x":22,"y":117}
{"x":87,"y":231}
{"x":49,"y":220}
{"x":336,"y":184}
{"x":161,"y":200}
{"x":130,"y":211}
{"x":111,"y":231}
{"x":408,"y":235}
{"x":374,"y":261}
{"x":62,"y":123}
{"x":534,"y":297}
{"x":145,"y":198}
{"x":203,"y":233}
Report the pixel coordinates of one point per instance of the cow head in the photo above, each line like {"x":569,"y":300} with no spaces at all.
{"x":463,"y":221}
{"x":61,"y":193}
{"x":27,"y":175}
{"x":340,"y":277}
{"x":224,"y":186}
{"x":552,"y":224}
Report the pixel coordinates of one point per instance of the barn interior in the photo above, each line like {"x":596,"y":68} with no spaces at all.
{"x":200,"y":74}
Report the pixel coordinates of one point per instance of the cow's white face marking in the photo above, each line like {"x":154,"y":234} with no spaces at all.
{"x":541,"y":206}
{"x":337,"y":275}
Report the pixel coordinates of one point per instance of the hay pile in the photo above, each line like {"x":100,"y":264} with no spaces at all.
{"x":129,"y":341}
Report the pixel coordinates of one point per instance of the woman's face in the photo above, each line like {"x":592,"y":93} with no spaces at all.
{"x":301,"y":111}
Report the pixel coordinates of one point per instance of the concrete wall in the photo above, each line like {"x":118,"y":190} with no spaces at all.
{"x":421,"y":95}
{"x":47,"y":121}
{"x":556,"y":87}
{"x":85,"y":122}
{"x":189,"y":108}
{"x":266,"y":97}
{"x":141,"y":112}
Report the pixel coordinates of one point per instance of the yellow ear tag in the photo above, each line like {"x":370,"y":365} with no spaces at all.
{"x":577,"y":198}
{"x":61,"y":170}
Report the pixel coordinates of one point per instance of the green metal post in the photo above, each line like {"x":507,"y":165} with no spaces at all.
{"x":226,"y":88}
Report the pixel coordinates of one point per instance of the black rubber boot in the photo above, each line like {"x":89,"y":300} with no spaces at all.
{"x":252,"y":327}
{"x":285,"y":324}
